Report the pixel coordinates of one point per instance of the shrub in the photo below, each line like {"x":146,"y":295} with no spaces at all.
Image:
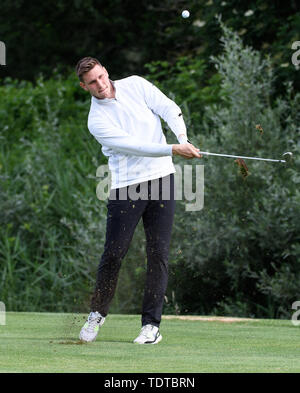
{"x":240,"y":254}
{"x":52,"y":225}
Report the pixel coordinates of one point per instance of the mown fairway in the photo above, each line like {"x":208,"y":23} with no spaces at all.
{"x":44,"y":342}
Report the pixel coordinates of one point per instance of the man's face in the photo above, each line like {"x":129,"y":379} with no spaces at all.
{"x":97,"y":82}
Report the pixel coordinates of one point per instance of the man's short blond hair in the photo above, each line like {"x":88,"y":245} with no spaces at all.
{"x":85,"y":65}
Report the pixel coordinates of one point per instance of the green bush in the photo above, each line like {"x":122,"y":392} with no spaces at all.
{"x":240,"y":254}
{"x":52,"y":225}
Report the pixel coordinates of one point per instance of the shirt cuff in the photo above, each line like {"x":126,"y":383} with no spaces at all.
{"x":182,"y":139}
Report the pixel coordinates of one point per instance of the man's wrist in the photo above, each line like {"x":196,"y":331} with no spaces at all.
{"x":176,"y":149}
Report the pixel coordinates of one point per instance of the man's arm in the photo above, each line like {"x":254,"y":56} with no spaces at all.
{"x":120,"y":141}
{"x":163,"y":106}
{"x":168,"y":110}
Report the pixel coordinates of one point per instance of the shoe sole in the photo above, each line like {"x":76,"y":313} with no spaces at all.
{"x":158,"y":339}
{"x":86,"y":341}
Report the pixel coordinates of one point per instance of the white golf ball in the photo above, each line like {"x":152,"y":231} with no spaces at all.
{"x":185,"y":14}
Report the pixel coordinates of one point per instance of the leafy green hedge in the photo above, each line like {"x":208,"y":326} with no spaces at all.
{"x":48,"y":162}
{"x":240,"y":255}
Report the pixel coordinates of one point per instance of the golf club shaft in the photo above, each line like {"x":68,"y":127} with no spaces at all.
{"x":243,"y":157}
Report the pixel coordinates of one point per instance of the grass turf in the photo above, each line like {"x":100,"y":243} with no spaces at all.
{"x":48,"y":342}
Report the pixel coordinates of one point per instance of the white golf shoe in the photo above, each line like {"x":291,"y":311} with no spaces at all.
{"x":91,"y":328}
{"x":149,"y":335}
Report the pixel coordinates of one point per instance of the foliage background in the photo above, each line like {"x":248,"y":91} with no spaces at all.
{"x":240,"y":255}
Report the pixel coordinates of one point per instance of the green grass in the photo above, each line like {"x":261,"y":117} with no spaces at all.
{"x":46,"y":342}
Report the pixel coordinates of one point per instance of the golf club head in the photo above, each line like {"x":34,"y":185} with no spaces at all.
{"x":288,"y":156}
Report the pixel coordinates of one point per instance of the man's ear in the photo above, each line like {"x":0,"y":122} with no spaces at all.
{"x":83,"y":86}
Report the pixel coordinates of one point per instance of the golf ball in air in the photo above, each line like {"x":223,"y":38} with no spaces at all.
{"x":185,"y":14}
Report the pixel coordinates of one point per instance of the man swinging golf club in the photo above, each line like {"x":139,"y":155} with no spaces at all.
{"x":124,"y":118}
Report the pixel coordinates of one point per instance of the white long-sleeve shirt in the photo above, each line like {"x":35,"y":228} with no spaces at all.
{"x":129,"y":129}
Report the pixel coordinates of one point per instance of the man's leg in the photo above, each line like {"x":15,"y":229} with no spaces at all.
{"x":158,"y":220}
{"x":122,"y":219}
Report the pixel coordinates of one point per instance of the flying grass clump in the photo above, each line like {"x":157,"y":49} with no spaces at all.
{"x":243,"y":169}
{"x":259,"y":128}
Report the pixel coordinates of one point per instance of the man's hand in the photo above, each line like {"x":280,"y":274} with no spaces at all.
{"x":186,"y":150}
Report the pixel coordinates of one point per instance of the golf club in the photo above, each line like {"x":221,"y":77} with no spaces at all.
{"x":287,"y":156}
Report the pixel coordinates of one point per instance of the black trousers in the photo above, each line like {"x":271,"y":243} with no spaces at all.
{"x":122,"y":218}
